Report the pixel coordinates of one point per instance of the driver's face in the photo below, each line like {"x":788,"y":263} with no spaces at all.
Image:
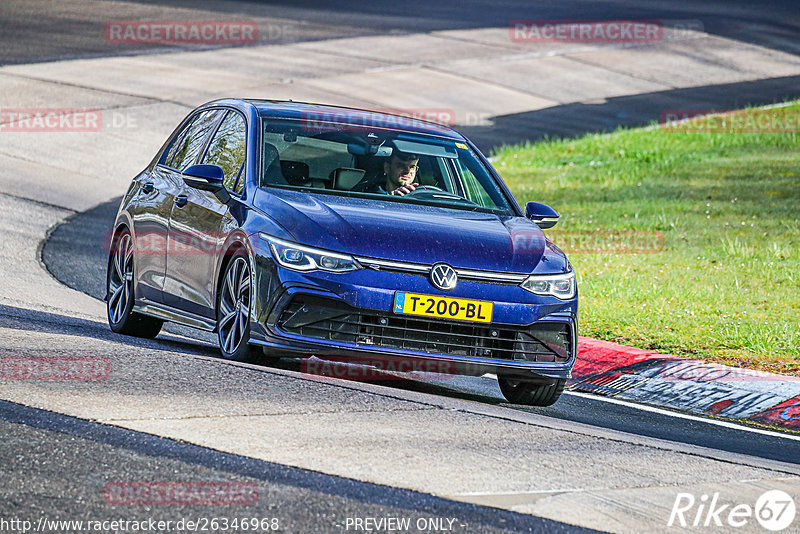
{"x":400,"y":172}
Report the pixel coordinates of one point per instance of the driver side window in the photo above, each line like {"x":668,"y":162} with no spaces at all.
{"x":187,"y":145}
{"x":228,"y":150}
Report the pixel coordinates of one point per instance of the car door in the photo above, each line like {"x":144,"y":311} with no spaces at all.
{"x":152,"y":226}
{"x":150,"y":213}
{"x":200,"y":222}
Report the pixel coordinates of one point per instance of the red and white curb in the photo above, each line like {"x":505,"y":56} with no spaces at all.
{"x":693,"y":386}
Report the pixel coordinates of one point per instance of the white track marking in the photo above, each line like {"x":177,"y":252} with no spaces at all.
{"x":679,"y":415}
{"x":670,"y":413}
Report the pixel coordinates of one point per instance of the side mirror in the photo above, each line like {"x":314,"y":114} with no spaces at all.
{"x":207,"y":178}
{"x":542,"y":214}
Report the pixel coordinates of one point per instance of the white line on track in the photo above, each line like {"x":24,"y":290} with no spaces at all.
{"x":670,"y":413}
{"x":690,"y":417}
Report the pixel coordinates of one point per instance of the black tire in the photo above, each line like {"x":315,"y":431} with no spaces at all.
{"x":234,"y":300}
{"x":119,"y":292}
{"x":519,"y":391}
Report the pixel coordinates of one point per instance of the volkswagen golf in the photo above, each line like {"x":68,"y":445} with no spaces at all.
{"x":294,"y":229}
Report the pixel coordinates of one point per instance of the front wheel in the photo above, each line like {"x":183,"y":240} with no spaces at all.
{"x":519,"y":391}
{"x":233,"y":310}
{"x":119,"y":293}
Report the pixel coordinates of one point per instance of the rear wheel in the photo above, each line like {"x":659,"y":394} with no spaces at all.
{"x":119,"y":290}
{"x":520,"y":391}
{"x":233,"y":310}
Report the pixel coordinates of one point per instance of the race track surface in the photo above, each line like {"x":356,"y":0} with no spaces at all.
{"x":323,"y":450}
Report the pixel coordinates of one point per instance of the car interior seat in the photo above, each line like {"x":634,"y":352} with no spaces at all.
{"x":295,"y":172}
{"x":272,"y":170}
{"x":344,"y":179}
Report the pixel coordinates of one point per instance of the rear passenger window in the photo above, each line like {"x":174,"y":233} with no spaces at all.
{"x":227,"y":149}
{"x":189,"y":144}
{"x":174,"y":143}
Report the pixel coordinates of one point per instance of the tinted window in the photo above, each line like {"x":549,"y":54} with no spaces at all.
{"x":227,"y":149}
{"x":354,"y":160}
{"x":473,"y":190}
{"x":189,"y":145}
{"x":320,"y":155}
{"x":169,"y":154}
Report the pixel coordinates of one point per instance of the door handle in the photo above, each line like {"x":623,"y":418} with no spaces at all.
{"x":148,"y":188}
{"x":181,"y":200}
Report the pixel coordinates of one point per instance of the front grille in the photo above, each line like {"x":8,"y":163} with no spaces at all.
{"x":485,"y":277}
{"x":332,"y":320}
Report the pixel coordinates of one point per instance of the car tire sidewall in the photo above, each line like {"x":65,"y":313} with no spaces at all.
{"x":518,"y":391}
{"x":130,"y":323}
{"x":243,"y":352}
{"x":125,"y":319}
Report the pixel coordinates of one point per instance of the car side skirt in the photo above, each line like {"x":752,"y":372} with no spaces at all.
{"x":167,"y":313}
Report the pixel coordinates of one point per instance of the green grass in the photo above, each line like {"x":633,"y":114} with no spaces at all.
{"x":684,"y":243}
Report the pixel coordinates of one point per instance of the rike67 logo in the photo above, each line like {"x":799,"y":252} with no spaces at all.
{"x":774,"y":510}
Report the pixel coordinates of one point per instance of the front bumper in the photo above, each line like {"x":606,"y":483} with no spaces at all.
{"x":349,"y":317}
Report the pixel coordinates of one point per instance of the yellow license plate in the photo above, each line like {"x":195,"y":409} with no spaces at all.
{"x":443,"y":307}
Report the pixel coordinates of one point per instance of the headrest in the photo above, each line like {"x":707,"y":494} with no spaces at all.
{"x":271,"y":165}
{"x":295,"y":172}
{"x":345,"y":179}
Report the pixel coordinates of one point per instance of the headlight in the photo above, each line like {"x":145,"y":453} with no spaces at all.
{"x":302,"y":258}
{"x":558,"y":285}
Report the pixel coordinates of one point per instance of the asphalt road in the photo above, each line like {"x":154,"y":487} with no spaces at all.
{"x":75,"y":255}
{"x":39,"y":447}
{"x":56,"y":464}
{"x":40,"y":30}
{"x":43,"y":30}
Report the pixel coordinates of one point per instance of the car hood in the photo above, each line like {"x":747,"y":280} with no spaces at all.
{"x":412,"y":232}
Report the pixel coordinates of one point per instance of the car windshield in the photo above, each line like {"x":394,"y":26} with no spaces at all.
{"x":340,"y":159}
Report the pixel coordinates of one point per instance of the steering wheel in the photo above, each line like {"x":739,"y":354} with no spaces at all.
{"x":423,"y":188}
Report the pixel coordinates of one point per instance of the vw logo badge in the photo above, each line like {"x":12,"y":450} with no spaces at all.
{"x":443,"y":276}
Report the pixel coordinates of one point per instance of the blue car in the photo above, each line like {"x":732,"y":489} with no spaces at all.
{"x":299,"y":230}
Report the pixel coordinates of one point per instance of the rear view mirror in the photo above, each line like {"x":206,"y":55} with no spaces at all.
{"x":542,"y":214}
{"x":357,"y":149}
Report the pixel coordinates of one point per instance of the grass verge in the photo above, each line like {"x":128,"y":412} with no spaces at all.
{"x":685,"y":241}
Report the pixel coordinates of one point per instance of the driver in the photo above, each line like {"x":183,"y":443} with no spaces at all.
{"x":399,"y":172}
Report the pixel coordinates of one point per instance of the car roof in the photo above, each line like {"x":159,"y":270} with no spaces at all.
{"x":282,"y":109}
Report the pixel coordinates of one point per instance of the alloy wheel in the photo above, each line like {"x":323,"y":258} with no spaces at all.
{"x":120,"y":280}
{"x":234,"y":306}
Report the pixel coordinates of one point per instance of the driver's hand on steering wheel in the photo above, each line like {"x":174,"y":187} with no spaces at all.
{"x":404,"y":189}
